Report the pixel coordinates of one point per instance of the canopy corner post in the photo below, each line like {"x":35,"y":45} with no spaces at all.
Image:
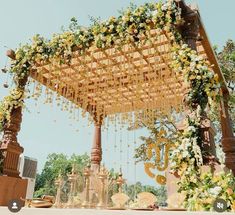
{"x":190,"y":32}
{"x":228,"y":139}
{"x":96,"y":151}
{"x":10,"y":147}
{"x":191,"y":28}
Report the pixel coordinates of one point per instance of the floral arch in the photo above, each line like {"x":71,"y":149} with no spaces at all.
{"x":153,"y":57}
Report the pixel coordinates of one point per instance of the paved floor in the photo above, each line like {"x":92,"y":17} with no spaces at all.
{"x":52,"y":211}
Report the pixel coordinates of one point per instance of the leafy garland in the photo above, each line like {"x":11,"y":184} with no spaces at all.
{"x":130,"y":26}
{"x":9,"y":103}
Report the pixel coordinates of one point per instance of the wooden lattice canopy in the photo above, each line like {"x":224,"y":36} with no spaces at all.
{"x":123,"y":79}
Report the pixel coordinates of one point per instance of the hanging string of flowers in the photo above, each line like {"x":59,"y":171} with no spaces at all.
{"x":132,"y":26}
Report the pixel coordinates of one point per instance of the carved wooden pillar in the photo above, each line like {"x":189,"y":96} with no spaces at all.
{"x":190,"y":33}
{"x":190,"y":29}
{"x":228,"y":139}
{"x":10,"y":147}
{"x":96,"y":151}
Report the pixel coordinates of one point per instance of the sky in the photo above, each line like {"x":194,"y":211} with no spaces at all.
{"x":46,"y":129}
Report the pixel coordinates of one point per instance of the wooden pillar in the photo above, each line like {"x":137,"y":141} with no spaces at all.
{"x":96,"y":151}
{"x":190,"y":29}
{"x":228,"y":139}
{"x":190,"y":32}
{"x":10,"y":148}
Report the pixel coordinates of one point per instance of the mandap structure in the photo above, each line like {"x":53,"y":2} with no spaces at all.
{"x":152,"y":58}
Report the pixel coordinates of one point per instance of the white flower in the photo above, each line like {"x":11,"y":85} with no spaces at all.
{"x":164,"y":7}
{"x":210,"y":74}
{"x":155,"y":12}
{"x":181,"y":52}
{"x":185,"y":154}
{"x":215,"y":191}
{"x":191,"y":128}
{"x":192,"y":65}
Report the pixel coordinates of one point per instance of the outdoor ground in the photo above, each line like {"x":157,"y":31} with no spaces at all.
{"x":34,"y":211}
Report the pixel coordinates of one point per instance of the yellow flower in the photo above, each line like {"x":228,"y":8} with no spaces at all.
{"x":208,"y":201}
{"x":233,"y":206}
{"x":216,"y":78}
{"x":1,"y":116}
{"x":192,"y":77}
{"x":184,"y":166}
{"x":215,"y":179}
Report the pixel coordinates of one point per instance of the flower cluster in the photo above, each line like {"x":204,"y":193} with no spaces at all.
{"x":208,"y":188}
{"x":130,"y":26}
{"x":203,"y":88}
{"x":9,"y":103}
{"x":186,"y":158}
{"x":202,"y":81}
{"x":133,"y":26}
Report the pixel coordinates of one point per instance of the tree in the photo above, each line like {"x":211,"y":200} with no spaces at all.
{"x":226,"y":59}
{"x":56,"y":164}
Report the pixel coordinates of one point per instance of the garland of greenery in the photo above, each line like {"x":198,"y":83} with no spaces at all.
{"x":9,"y":103}
{"x":130,"y":26}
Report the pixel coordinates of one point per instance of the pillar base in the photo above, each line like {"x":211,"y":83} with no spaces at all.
{"x":95,"y":168}
{"x":11,"y":153}
{"x":228,"y":145}
{"x":12,"y":188}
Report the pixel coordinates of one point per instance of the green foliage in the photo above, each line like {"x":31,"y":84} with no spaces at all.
{"x":55,"y":164}
{"x":226,"y":59}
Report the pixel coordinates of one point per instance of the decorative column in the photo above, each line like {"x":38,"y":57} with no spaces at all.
{"x":120,"y":181}
{"x":96,"y":151}
{"x":72,"y":179}
{"x":190,"y":33}
{"x":190,"y":29}
{"x":87,"y":174}
{"x":10,"y":147}
{"x":102,"y":176}
{"x":228,"y":139}
{"x":58,"y":183}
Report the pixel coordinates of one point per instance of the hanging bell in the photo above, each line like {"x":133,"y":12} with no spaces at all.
{"x":4,"y":70}
{"x":5,"y":85}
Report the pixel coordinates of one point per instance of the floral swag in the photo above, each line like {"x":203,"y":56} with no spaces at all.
{"x":130,"y":26}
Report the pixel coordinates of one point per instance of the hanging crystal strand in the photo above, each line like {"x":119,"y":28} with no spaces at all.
{"x":46,"y":96}
{"x":135,"y":193}
{"x":107,"y":142}
{"x":120,"y":146}
{"x":74,"y":112}
{"x":33,"y":91}
{"x":115,"y":142}
{"x":127,"y":158}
